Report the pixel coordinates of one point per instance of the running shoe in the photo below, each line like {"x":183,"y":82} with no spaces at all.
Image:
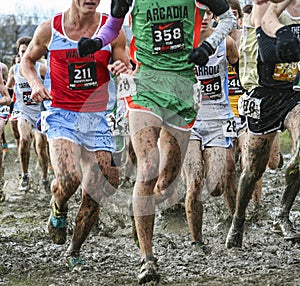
{"x":285,"y":227}
{"x":24,"y":183}
{"x":74,"y":262}
{"x":57,"y":224}
{"x":149,"y":271}
{"x":197,"y":243}
{"x":235,"y":235}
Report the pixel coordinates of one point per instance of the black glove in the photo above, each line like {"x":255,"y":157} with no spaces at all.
{"x":200,"y":55}
{"x":287,"y":45}
{"x":88,"y":46}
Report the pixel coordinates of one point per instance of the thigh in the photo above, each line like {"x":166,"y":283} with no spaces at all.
{"x":24,"y":128}
{"x":274,"y":153}
{"x":65,"y":159}
{"x":173,"y":145}
{"x":144,"y":134}
{"x":258,"y":152}
{"x":215,"y":159}
{"x":192,"y":168}
{"x":40,"y":138}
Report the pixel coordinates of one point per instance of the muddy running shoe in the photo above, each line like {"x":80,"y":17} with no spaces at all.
{"x":197,"y":243}
{"x":284,"y":227}
{"x":57,"y":224}
{"x":74,"y":262}
{"x":148,"y":271}
{"x":24,"y":183}
{"x":235,"y":235}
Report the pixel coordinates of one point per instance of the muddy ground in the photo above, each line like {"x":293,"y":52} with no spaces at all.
{"x":29,"y":258}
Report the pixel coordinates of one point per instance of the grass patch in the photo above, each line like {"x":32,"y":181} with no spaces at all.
{"x":285,"y":142}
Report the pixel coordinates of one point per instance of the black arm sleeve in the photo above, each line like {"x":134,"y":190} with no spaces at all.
{"x":218,"y":7}
{"x":119,"y":8}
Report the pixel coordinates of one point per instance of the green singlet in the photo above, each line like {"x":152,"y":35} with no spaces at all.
{"x":164,"y":33}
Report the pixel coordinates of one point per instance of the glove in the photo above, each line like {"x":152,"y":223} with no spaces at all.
{"x":287,"y":45}
{"x":199,"y":56}
{"x":88,"y":46}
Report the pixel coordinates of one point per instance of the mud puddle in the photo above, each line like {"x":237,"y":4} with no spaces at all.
{"x":29,"y":258}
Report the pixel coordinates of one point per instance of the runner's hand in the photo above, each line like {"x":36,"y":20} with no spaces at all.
{"x":88,"y":46}
{"x":199,"y":56}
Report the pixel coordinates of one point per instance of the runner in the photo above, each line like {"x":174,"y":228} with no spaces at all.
{"x":29,"y":112}
{"x":82,"y":94}
{"x":246,"y":41}
{"x":275,"y":91}
{"x":210,"y":149}
{"x":14,"y":109}
{"x":161,"y":105}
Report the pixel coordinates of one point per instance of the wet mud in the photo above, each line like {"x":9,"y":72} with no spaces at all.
{"x":28,"y":257}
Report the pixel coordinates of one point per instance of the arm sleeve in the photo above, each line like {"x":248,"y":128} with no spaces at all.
{"x":113,"y":25}
{"x":226,"y":23}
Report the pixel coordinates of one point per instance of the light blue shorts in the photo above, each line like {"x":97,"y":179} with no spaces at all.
{"x":87,"y":129}
{"x":214,"y":133}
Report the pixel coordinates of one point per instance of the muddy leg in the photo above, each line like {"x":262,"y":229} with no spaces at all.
{"x":256,"y":196}
{"x":258,"y":156}
{"x":86,"y":218}
{"x":193,"y":175}
{"x":231,"y":186}
{"x":292,"y":175}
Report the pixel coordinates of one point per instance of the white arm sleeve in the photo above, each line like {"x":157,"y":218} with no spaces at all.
{"x":226,"y":23}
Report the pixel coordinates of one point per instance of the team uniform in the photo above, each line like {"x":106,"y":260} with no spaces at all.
{"x":25,"y":107}
{"x":83,"y":93}
{"x":267,"y":105}
{"x":215,"y":125}
{"x":163,"y":38}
